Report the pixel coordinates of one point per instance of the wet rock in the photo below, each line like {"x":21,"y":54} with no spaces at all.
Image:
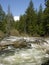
{"x":46,"y":63}
{"x":21,"y":44}
{"x":3,"y":47}
{"x":40,"y":41}
{"x":17,"y":44}
{"x":47,"y":51}
{"x":7,"y":52}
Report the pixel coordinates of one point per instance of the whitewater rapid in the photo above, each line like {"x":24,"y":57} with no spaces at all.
{"x":35,"y":55}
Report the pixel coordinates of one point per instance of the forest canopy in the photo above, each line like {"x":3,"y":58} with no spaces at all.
{"x":32,"y":22}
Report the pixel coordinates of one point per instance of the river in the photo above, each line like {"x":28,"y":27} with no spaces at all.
{"x":35,"y":55}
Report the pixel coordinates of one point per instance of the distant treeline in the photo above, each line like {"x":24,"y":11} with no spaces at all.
{"x":32,"y":22}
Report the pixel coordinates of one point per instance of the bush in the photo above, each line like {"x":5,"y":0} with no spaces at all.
{"x":24,"y":34}
{"x":14,"y":32}
{"x":1,"y":34}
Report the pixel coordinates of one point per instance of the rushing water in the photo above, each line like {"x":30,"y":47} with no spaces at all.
{"x":32,"y":56}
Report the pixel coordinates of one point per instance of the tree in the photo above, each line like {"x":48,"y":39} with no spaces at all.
{"x":46,"y":17}
{"x":40,"y":29}
{"x":10,"y":21}
{"x":30,"y":19}
{"x":2,"y":17}
{"x":21,"y":24}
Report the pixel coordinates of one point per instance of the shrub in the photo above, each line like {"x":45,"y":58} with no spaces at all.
{"x":14,"y":32}
{"x":1,"y":34}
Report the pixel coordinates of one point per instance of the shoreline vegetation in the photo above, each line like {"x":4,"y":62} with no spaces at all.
{"x":17,"y":34}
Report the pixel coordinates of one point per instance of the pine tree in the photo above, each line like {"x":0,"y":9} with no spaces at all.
{"x":40,"y":21}
{"x":10,"y":21}
{"x":46,"y":17}
{"x":21,"y":24}
{"x":30,"y":19}
{"x":2,"y":17}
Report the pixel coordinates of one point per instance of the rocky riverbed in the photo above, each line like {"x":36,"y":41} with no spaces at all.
{"x":36,"y":54}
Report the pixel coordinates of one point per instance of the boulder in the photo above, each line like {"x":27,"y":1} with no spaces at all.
{"x":47,"y":51}
{"x":40,"y":41}
{"x":46,"y":63}
{"x":2,"y":47}
{"x":21,"y":44}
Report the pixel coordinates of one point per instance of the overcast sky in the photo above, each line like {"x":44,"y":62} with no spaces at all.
{"x":18,"y":7}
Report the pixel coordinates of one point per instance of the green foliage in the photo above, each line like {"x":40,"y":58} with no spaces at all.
{"x":40,"y":22}
{"x":22,"y":23}
{"x":46,"y":17}
{"x":9,"y":21}
{"x":6,"y":21}
{"x":30,"y":19}
{"x":2,"y":18}
{"x":31,"y":22}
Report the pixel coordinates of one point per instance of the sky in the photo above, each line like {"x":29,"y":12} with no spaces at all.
{"x":19,"y":7}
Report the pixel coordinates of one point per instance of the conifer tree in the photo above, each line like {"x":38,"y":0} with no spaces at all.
{"x":46,"y":17}
{"x":10,"y":21}
{"x":30,"y":18}
{"x":2,"y":17}
{"x":40,"y":21}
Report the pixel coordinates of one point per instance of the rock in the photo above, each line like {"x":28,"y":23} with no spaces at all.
{"x":46,"y":63}
{"x":21,"y":44}
{"x":16,"y":44}
{"x":47,"y":51}
{"x":40,"y":41}
{"x":36,"y":41}
{"x":2,"y":48}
